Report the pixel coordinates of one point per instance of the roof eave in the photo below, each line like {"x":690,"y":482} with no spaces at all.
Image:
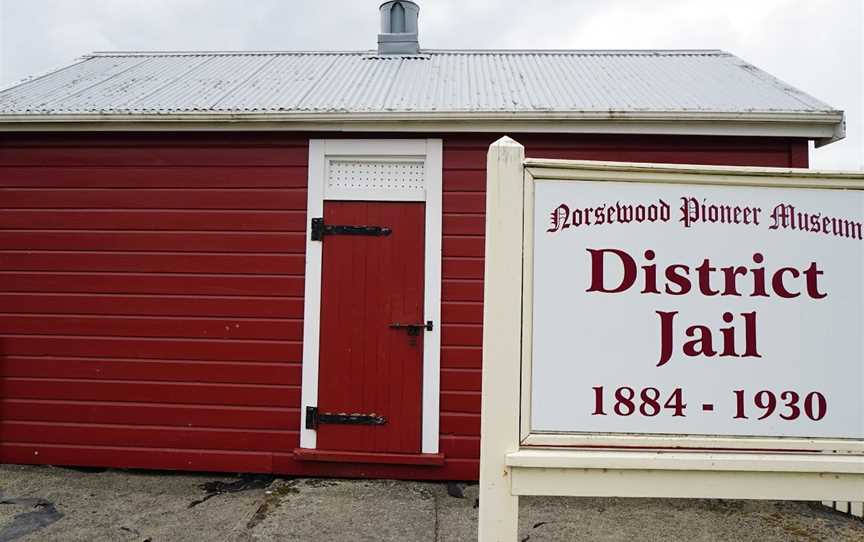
{"x":839,"y":133}
{"x":822,"y":126}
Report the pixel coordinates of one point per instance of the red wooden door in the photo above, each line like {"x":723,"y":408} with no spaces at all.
{"x":365,"y":366}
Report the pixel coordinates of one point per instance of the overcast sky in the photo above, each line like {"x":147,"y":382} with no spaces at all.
{"x":816,"y":45}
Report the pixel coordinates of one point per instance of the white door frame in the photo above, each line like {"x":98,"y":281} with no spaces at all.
{"x":322,"y":152}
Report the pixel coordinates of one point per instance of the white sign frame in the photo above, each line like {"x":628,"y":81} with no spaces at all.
{"x":514,"y":461}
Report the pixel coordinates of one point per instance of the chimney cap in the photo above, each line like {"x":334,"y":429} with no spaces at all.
{"x":399,"y":32}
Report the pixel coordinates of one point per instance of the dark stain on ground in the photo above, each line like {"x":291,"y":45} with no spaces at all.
{"x":244,"y":483}
{"x":274,"y":500}
{"x":43,"y":514}
{"x":136,"y":533}
{"x":455,"y":490}
{"x":86,"y":470}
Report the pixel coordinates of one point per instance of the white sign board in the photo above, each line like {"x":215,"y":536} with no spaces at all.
{"x":669,"y":331}
{"x":700,"y":310}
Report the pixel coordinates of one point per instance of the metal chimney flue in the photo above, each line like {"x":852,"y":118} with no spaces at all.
{"x":399,"y":34}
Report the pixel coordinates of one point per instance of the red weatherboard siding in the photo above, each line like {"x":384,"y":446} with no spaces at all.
{"x":151,"y":305}
{"x":151,"y":293}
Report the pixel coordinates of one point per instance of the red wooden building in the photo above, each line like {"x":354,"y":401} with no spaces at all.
{"x":273,"y":262}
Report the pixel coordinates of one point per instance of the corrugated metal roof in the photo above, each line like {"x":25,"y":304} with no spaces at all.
{"x":432,"y":82}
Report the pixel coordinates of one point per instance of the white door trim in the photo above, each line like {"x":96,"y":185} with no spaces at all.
{"x":321,"y":152}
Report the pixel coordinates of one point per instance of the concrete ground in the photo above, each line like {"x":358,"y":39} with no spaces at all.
{"x":62,"y":504}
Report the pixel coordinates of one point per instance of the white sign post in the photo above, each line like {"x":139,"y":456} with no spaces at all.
{"x":670,"y":331}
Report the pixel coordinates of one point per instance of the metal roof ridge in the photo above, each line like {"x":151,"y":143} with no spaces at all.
{"x":646,"y":52}
{"x":581,"y":51}
{"x":204,"y":52}
{"x":43,"y":75}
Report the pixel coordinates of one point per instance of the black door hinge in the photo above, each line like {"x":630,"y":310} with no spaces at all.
{"x":315,"y":418}
{"x":319,"y":230}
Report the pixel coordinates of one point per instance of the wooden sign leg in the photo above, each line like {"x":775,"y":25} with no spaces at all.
{"x":502,"y":325}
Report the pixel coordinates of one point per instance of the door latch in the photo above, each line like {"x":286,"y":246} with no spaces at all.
{"x":413,"y":329}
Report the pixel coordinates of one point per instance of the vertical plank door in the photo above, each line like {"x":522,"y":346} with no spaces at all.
{"x":365,"y":365}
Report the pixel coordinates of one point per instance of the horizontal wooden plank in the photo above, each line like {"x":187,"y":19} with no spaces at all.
{"x":454,"y":446}
{"x":460,"y":401}
{"x":172,"y":413}
{"x":385,"y":458}
{"x":226,"y":461}
{"x":267,"y":242}
{"x":670,"y":155}
{"x":464,"y":180}
{"x":455,"y":334}
{"x":477,"y":142}
{"x":459,"y":268}
{"x":154,"y":177}
{"x":566,"y":144}
{"x":462,"y":290}
{"x":155,"y":198}
{"x":149,"y":436}
{"x":194,"y":349}
{"x":461,"y":313}
{"x":156,"y":139}
{"x":462,"y":224}
{"x":151,"y":283}
{"x":153,"y":326}
{"x":150,"y":369}
{"x":150,"y":392}
{"x":461,"y":357}
{"x":142,"y":458}
{"x":166,"y":155}
{"x":465,"y":159}
{"x":460,"y":379}
{"x":153,"y":305}
{"x":460,"y":424}
{"x":462,"y":246}
{"x":465,"y":202}
{"x":453,"y":469}
{"x":149,"y":220}
{"x":155,"y":262}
